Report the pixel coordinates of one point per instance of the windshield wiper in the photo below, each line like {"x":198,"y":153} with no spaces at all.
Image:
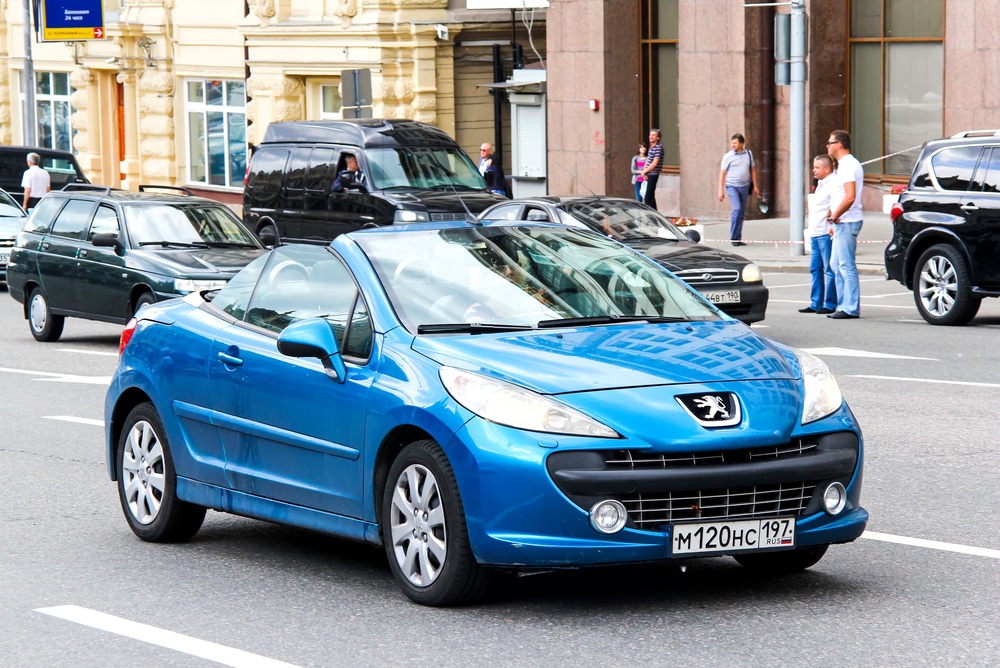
{"x":229,"y":244}
{"x":168,"y":244}
{"x":607,"y":320}
{"x":470,"y":328}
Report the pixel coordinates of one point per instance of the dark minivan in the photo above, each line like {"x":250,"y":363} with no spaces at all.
{"x":407,"y":172}
{"x":61,"y":166}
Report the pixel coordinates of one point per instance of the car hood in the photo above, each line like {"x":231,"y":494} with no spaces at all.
{"x":439,"y":201}
{"x":192,"y":262}
{"x":682,"y":255}
{"x":614,"y":356}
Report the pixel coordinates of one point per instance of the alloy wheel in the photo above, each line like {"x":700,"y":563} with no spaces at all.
{"x":938,"y":285}
{"x":143,"y":476}
{"x":419,"y":533}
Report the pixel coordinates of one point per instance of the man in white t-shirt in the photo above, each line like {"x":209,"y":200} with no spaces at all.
{"x":36,"y":181}
{"x":846,"y":217}
{"x":823,"y":298}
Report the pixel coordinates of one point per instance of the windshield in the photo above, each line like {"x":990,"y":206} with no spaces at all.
{"x":185,"y":225}
{"x":520,"y":276}
{"x":422,"y":169}
{"x":623,"y":220}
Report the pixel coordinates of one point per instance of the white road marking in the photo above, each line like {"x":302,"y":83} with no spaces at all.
{"x":889,"y":294}
{"x":863,"y":303}
{"x":80,"y":420}
{"x":80,"y":351}
{"x":926,"y":380}
{"x":49,"y":377}
{"x":847,"y":352}
{"x":932,"y":544}
{"x":211,"y":651}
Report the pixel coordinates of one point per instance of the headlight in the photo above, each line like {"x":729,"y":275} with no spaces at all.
{"x":183,"y":286}
{"x":517,"y":407}
{"x":822,"y":394}
{"x":751,"y":273}
{"x":410,"y":216}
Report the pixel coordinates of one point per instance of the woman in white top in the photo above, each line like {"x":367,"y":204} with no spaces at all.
{"x":638,"y":162}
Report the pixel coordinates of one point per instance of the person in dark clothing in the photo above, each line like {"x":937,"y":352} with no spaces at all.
{"x":351,"y":178}
{"x":491,"y":170}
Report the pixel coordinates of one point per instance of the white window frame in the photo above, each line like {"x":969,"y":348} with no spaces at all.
{"x":53,"y":99}
{"x":203,"y":108}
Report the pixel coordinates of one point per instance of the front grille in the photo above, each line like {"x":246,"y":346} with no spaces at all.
{"x":701,"y":277}
{"x":447,"y":216}
{"x":650,"y":511}
{"x":643,"y":459}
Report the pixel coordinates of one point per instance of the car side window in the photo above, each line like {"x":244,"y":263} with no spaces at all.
{"x":954,"y":167}
{"x":43,"y":214}
{"x":536,"y":213}
{"x":105,"y":222}
{"x":506,"y":212}
{"x":991,"y":182}
{"x":266,"y":172}
{"x":301,"y":282}
{"x":234,"y":298}
{"x":74,"y":219}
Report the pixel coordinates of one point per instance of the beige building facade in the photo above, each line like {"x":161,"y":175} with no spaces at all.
{"x":179,"y":91}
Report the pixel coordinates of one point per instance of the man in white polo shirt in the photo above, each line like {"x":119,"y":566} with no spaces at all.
{"x":846,"y":217}
{"x":36,"y":181}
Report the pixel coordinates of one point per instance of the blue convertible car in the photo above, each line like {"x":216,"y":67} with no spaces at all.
{"x":481,"y":398}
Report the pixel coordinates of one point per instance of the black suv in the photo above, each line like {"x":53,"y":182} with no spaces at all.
{"x":97,"y":253}
{"x":946,"y":228}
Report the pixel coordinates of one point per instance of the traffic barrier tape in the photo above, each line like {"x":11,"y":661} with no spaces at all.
{"x":759,"y":241}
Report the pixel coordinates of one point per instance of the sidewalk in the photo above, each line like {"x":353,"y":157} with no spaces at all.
{"x":767,"y":243}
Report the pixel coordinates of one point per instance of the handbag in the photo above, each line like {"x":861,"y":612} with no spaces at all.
{"x":642,"y":189}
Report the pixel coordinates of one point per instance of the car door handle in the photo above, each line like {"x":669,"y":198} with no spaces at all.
{"x":83,"y":252}
{"x":45,"y":245}
{"x":970,"y":207}
{"x":230,"y":360}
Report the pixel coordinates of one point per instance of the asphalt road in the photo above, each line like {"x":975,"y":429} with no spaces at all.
{"x":921,"y":588}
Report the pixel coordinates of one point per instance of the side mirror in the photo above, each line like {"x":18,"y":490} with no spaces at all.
{"x":693,"y":235}
{"x":267,"y":236}
{"x":108,"y":240}
{"x":314,"y":338}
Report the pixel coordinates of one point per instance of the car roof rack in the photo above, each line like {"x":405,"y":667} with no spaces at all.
{"x":976,"y":133}
{"x":147,"y":186}
{"x":104,"y":190}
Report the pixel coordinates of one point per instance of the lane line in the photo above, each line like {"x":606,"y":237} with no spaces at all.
{"x":847,"y":352}
{"x":211,"y":651}
{"x":80,"y":351}
{"x":79,"y":420}
{"x":924,"y":380}
{"x":932,"y":544}
{"x":49,"y":377}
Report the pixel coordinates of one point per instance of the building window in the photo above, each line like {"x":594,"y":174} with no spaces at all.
{"x":216,"y":131}
{"x":658,"y":73}
{"x":896,"y":80}
{"x":52,"y":110}
{"x":329,"y":102}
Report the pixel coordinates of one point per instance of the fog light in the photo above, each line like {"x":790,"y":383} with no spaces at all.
{"x":608,"y":516}
{"x":834,"y":498}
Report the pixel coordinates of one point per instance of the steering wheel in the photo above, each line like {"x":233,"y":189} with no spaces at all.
{"x":412,"y":268}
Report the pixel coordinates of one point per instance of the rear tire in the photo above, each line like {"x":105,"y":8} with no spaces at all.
{"x":44,"y":326}
{"x":782,"y":563}
{"x":941,"y":288}
{"x":424,"y":531}
{"x":147,"y":482}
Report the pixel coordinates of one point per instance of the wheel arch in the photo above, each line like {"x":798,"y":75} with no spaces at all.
{"x":393,"y":444}
{"x":128,"y":400}
{"x":136,"y":292}
{"x":923,"y":241}
{"x":29,"y":286}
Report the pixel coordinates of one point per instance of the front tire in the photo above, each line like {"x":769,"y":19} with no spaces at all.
{"x":147,"y":482}
{"x":941,"y":288}
{"x":144,"y":299}
{"x":44,"y":326}
{"x":424,"y":531}
{"x":782,"y":563}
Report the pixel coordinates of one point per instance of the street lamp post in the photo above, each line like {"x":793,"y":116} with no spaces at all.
{"x":30,"y":126}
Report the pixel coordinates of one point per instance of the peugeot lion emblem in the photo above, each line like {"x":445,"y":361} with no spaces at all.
{"x":712,"y":409}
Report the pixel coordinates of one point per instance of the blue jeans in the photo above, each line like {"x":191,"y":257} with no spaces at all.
{"x":638,"y":195}
{"x":824,"y":285}
{"x":842,"y":260}
{"x":738,"y":196}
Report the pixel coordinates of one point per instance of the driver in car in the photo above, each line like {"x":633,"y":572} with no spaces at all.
{"x":350,"y":179}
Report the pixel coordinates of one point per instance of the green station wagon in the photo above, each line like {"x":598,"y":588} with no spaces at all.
{"x":97,"y":253}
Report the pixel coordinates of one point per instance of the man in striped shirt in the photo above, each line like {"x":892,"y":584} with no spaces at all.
{"x":654,"y":162}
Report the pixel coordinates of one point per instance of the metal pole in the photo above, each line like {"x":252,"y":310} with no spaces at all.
{"x":30,"y":126}
{"x":796,"y":142}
